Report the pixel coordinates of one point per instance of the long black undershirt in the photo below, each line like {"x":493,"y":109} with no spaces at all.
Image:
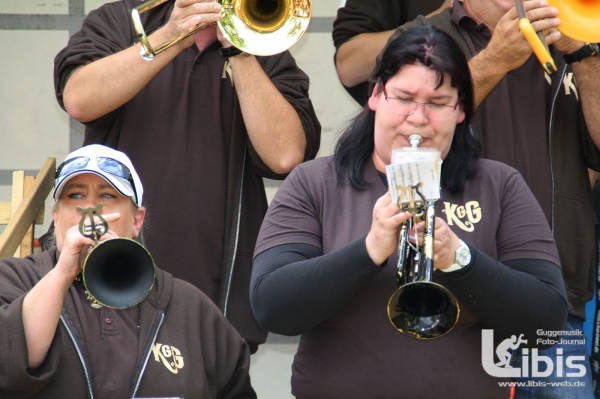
{"x":518,"y":296}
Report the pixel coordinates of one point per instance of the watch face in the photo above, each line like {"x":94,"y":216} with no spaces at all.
{"x":463,"y":255}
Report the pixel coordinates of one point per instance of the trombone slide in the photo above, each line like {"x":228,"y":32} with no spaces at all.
{"x":540,"y":50}
{"x":535,"y":39}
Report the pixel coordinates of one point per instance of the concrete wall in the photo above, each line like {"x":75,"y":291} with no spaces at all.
{"x":33,"y":127}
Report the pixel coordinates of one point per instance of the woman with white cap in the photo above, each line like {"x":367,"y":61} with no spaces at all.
{"x":56,"y":341}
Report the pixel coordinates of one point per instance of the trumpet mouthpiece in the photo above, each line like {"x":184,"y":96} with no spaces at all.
{"x":415,"y":140}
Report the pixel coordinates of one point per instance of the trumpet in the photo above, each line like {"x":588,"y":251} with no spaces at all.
{"x":258,"y":27}
{"x":117,"y":273}
{"x":420,"y":308}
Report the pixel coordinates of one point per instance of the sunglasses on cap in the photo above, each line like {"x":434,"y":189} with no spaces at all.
{"x":105,"y":164}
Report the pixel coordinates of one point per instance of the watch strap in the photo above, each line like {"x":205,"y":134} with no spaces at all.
{"x":459,"y":263}
{"x":588,"y":50}
{"x":453,"y":268}
{"x":232,"y":51}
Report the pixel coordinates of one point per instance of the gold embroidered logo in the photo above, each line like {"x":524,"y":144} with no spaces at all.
{"x":569,"y":84}
{"x":465,"y":216}
{"x":169,"y":355}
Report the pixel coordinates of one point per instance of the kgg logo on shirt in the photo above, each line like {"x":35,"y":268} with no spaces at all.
{"x":465,"y":216}
{"x":169,"y":355}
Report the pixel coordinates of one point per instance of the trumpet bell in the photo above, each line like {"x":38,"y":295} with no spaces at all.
{"x":579,"y":19}
{"x":423,"y":310}
{"x":264,"y":27}
{"x":118,"y":273}
{"x":263,"y":16}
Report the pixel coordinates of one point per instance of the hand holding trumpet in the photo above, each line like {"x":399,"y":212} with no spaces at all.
{"x":190,"y":16}
{"x":186,"y":18}
{"x":382,"y":239}
{"x":246,"y":24}
{"x":75,"y":247}
{"x":445,"y":242}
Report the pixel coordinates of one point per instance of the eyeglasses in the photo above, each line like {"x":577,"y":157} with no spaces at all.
{"x":105,"y":164}
{"x":403,"y":106}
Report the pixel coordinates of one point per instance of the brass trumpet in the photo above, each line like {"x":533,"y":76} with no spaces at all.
{"x":258,"y":27}
{"x":117,"y":273}
{"x":420,"y":308}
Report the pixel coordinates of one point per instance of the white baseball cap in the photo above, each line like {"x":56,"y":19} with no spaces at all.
{"x":112,"y":165}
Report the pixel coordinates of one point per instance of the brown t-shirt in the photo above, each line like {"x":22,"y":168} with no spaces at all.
{"x":111,"y":337}
{"x":514,"y":115}
{"x":356,"y":353}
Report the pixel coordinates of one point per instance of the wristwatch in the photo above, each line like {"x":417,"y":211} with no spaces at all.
{"x":462,"y":257}
{"x":588,"y":50}
{"x":232,"y":51}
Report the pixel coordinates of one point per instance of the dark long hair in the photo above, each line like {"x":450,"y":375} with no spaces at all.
{"x":434,"y":49}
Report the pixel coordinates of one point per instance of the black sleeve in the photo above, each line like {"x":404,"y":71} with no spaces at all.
{"x":294,"y":287}
{"x":105,"y":31}
{"x":369,"y":16}
{"x":514,"y":297}
{"x":366,"y":16}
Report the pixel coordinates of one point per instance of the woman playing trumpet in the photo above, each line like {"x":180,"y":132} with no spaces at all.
{"x":325,"y":260}
{"x":55,"y":344}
